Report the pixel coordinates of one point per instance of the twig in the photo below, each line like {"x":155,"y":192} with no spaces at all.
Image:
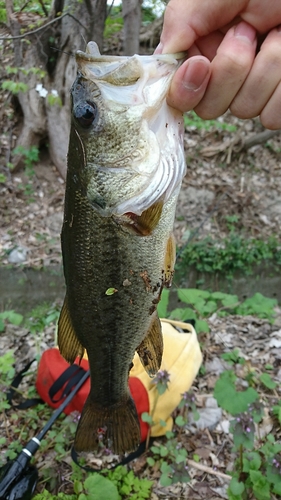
{"x":24,"y":5}
{"x":230,"y":306}
{"x":33,"y":32}
{"x":208,"y":470}
{"x":109,"y":9}
{"x":43,"y":8}
{"x":259,"y":138}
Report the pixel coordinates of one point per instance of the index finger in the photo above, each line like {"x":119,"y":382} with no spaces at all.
{"x":187,"y":20}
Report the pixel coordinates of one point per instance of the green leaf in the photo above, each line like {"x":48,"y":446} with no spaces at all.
{"x":266,"y":380}
{"x":277,"y":488}
{"x":110,"y":291}
{"x":181,"y":456}
{"x":219,"y":295}
{"x":78,"y":487}
{"x":229,"y":300}
{"x":166,"y":468}
{"x":169,"y":434}
{"x":277,"y":412}
{"x":183,"y":314}
{"x":273,"y":476}
{"x":100,"y":487}
{"x":163,"y":451}
{"x":232,"y":357}
{"x":202,"y":326}
{"x":165,"y":480}
{"x":150,"y":461}
{"x":191,"y":295}
{"x":236,"y":487}
{"x":180,"y":421}
{"x":261,"y":486}
{"x":125,"y":489}
{"x":147,"y":418}
{"x":199,"y":305}
{"x":251,"y":461}
{"x":259,"y":305}
{"x":208,"y":308}
{"x":242,"y":437}
{"x":14,"y":87}
{"x":163,"y":304}
{"x":229,"y":398}
{"x":155,"y":449}
{"x":161,"y":388}
{"x":12,"y":317}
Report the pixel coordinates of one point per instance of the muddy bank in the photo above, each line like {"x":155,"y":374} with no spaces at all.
{"x":24,"y":288}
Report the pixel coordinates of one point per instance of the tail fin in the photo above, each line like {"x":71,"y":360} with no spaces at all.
{"x":118,"y":424}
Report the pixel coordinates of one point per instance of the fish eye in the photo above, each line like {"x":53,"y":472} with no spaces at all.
{"x":85,"y":113}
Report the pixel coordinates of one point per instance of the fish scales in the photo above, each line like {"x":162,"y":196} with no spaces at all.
{"x":117,"y":244}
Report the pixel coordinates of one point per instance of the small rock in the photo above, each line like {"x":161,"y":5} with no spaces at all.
{"x":209,"y":416}
{"x":54,"y":221}
{"x":264,"y":219}
{"x":274,"y":342}
{"x":18,"y":255}
{"x":190,"y":143}
{"x":211,"y":403}
{"x":221,"y":491}
{"x":223,"y":426}
{"x":216,"y":366}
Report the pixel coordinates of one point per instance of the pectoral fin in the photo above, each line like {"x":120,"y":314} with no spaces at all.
{"x":145,"y":223}
{"x":68,"y":343}
{"x":151,"y":349}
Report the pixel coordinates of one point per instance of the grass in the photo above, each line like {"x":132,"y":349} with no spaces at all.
{"x":230,"y":255}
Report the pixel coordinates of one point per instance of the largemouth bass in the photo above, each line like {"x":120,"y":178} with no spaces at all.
{"x":125,"y":166}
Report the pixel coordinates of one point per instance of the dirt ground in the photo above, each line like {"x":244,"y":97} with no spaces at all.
{"x":225,"y":177}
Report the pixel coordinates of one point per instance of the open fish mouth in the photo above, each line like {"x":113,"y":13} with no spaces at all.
{"x":123,"y":70}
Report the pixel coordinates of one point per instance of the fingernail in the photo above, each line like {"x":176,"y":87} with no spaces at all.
{"x":159,"y":48}
{"x":195,"y":74}
{"x":244,"y":30}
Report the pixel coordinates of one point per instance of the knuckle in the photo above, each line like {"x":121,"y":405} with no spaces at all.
{"x":270,"y":121}
{"x":236,"y":66}
{"x":243,"y":109}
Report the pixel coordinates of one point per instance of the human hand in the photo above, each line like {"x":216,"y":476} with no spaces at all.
{"x":223,"y":69}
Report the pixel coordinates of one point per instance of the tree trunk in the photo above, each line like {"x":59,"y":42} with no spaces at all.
{"x":43,"y":121}
{"x":131,"y":10}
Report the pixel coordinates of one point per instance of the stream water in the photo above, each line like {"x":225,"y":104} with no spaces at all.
{"x":22,"y":289}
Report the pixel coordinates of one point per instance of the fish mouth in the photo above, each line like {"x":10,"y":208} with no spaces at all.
{"x":123,"y":69}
